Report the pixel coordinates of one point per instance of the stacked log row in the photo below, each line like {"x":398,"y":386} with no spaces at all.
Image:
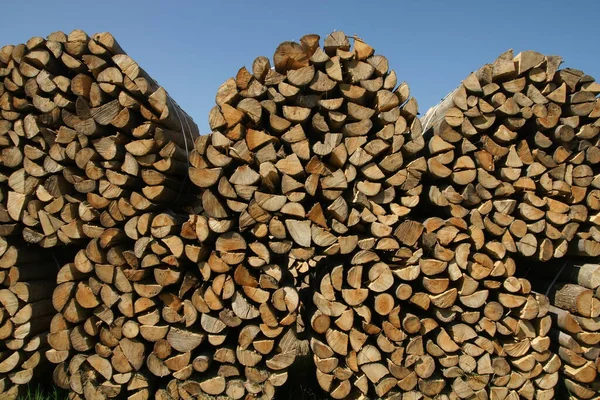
{"x":518,"y":139}
{"x":576,"y":330}
{"x":444,"y":317}
{"x":87,"y":139}
{"x":26,"y":282}
{"x":515,"y":146}
{"x":313,"y":159}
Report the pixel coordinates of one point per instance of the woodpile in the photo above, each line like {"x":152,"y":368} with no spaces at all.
{"x":448,"y":319}
{"x":121,"y":327}
{"x":401,"y":302}
{"x":449,"y":257}
{"x":309,"y":161}
{"x":519,"y":138}
{"x":88,"y":143}
{"x":26,"y":284}
{"x":514,"y":150}
{"x":88,"y":139}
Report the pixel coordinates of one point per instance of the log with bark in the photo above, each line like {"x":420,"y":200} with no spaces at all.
{"x":576,"y":326}
{"x":87,"y":139}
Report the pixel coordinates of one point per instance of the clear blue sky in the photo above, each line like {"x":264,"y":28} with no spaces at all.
{"x":191,"y":47}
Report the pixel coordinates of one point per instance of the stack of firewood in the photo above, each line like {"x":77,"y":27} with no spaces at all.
{"x":88,"y":139}
{"x":123,"y":324}
{"x":320,"y":218}
{"x":89,"y":144}
{"x":514,"y":150}
{"x":320,"y":163}
{"x":518,"y":138}
{"x":312,"y":162}
{"x":140,"y":314}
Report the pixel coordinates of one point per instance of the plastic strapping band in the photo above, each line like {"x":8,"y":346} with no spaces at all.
{"x":187,"y":123}
{"x":56,"y":261}
{"x":434,"y":110}
{"x":556,"y":278}
{"x":185,"y":134}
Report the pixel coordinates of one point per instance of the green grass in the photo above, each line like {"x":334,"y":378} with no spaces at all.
{"x":43,"y":393}
{"x":32,"y":392}
{"x":291,"y":391}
